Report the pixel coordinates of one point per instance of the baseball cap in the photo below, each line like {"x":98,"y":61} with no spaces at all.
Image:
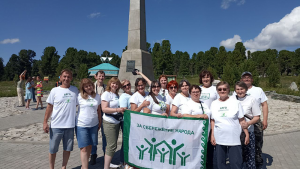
{"x":246,"y":73}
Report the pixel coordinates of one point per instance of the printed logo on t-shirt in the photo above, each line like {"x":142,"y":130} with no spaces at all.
{"x":222,"y":109}
{"x":162,"y":105}
{"x":67,"y":95}
{"x":91,"y":105}
{"x":205,"y":96}
{"x":68,"y":101}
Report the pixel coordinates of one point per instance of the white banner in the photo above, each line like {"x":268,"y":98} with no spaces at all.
{"x":154,"y":141}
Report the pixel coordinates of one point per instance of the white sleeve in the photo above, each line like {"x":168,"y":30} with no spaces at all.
{"x":50,"y":98}
{"x":206,"y":110}
{"x":263,"y":96}
{"x":98,"y":98}
{"x":255,"y":108}
{"x":240,"y":111}
{"x":150,"y":99}
{"x":105,"y":96}
{"x":176,"y":101}
{"x":211,"y":110}
{"x":187,"y":109}
{"x":133,"y":99}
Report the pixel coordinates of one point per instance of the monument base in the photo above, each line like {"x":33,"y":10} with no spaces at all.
{"x":143,"y":62}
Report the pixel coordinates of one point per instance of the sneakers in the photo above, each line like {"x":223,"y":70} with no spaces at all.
{"x":93,"y":159}
{"x":128,"y":167}
{"x":111,"y":165}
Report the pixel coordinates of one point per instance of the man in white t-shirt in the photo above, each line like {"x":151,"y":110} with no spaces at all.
{"x":261,"y":99}
{"x":99,"y":89}
{"x":62,"y":102}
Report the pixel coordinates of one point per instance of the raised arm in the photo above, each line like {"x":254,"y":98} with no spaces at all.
{"x":145,"y":77}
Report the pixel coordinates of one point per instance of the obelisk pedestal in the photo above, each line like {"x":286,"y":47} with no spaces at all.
{"x":136,"y":56}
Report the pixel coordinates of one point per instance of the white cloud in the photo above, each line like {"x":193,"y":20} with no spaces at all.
{"x":278,"y":35}
{"x":226,"y":3}
{"x":94,"y":15}
{"x":230,"y":43}
{"x":11,"y":41}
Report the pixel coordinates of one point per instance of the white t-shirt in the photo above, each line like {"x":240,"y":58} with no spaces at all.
{"x":169,"y":101}
{"x":208,"y":95}
{"x":87,"y":115}
{"x":250,"y":108}
{"x":113,"y":102}
{"x":257,"y":93}
{"x":163,"y":93}
{"x":64,"y":101}
{"x":138,"y":99}
{"x":179,"y":101}
{"x":227,"y":129}
{"x":157,"y":108}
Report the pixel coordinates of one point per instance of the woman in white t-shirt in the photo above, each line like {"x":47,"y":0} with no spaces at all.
{"x":88,"y":120}
{"x":172,"y":87}
{"x":137,"y":100}
{"x":208,"y":95}
{"x":252,"y":114}
{"x":181,"y":99}
{"x":226,"y":121}
{"x":111,"y":118}
{"x":157,"y":104}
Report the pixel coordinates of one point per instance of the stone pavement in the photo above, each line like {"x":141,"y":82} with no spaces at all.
{"x":280,"y":151}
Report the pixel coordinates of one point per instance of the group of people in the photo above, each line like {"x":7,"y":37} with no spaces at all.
{"x":235,"y":127}
{"x":30,"y":88}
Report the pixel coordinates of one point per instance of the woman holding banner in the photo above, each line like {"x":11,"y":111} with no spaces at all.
{"x":252,"y":115}
{"x":181,"y":99}
{"x":172,"y":87}
{"x":194,"y":107}
{"x":137,"y":100}
{"x":111,"y":118}
{"x":226,"y":121}
{"x":157,"y":104}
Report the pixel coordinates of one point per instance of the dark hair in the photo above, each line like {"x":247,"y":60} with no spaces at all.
{"x":203,"y":74}
{"x":28,"y":80}
{"x":194,"y":87}
{"x":151,"y":93}
{"x":137,"y":82}
{"x":100,"y":72}
{"x":241,"y":84}
{"x":223,"y":83}
{"x":172,"y":82}
{"x":182,"y":81}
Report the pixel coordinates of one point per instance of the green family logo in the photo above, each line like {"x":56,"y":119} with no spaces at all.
{"x":163,"y":106}
{"x":153,"y":150}
{"x":205,"y":96}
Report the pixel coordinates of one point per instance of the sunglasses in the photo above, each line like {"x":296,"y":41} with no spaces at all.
{"x":128,"y":85}
{"x":173,"y":87}
{"x":155,"y":86}
{"x":224,"y":89}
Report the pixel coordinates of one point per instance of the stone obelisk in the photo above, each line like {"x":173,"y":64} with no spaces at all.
{"x":136,"y":56}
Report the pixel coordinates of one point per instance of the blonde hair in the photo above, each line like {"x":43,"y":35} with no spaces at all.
{"x":83,"y":94}
{"x":113,"y":80}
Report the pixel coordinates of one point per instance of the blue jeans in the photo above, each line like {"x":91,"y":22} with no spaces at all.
{"x":58,"y":134}
{"x":94,"y":148}
{"x":87,"y":136}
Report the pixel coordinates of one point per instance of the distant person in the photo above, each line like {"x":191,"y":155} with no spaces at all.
{"x":58,"y":83}
{"x":163,"y":82}
{"x":28,"y":93}
{"x":181,"y":99}
{"x":88,"y":120}
{"x":172,"y":87}
{"x":62,"y":102}
{"x":20,"y":91}
{"x":33,"y":89}
{"x":261,"y":99}
{"x":39,"y":92}
{"x":112,"y":117}
{"x":99,"y":88}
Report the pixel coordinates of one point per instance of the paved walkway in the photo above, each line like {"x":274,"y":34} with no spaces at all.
{"x":281,"y":151}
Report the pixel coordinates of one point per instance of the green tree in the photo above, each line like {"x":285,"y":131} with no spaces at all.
{"x":68,"y":61}
{"x":156,"y":56}
{"x":36,"y":64}
{"x":26,"y":59}
{"x":176,"y":62}
{"x":285,"y":60}
{"x":296,"y":62}
{"x":220,"y":60}
{"x":273,"y":74}
{"x":200,"y":61}
{"x":49,"y":61}
{"x":229,"y":75}
{"x":184,"y":64}
{"x":213,"y":72}
{"x":116,"y":60}
{"x":83,"y":72}
{"x":93,"y":59}
{"x":1,"y":69}
{"x":192,"y":64}
{"x":13,"y":67}
{"x":165,"y":61}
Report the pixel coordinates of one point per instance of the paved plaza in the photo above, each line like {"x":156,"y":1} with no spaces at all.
{"x":281,"y":151}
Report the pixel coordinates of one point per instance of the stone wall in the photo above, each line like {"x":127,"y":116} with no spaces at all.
{"x":289,"y":98}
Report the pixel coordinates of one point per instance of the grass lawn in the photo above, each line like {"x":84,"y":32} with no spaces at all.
{"x":9,"y":88}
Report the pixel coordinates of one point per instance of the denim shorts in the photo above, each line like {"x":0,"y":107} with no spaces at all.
{"x":58,"y":134}
{"x":87,"y":136}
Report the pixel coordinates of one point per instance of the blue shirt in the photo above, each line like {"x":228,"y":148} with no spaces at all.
{"x":124,"y":100}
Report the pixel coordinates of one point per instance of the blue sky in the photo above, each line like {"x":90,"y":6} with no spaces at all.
{"x":190,"y":25}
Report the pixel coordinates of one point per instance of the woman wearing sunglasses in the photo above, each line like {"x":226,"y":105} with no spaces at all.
{"x":172,"y":87}
{"x":252,"y":115}
{"x":226,"y":121}
{"x":157,"y":104}
{"x":181,"y":99}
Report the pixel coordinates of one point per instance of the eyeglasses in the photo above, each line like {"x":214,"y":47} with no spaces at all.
{"x":224,"y":89}
{"x":196,"y":92}
{"x":128,"y":85}
{"x":173,"y":87}
{"x":155,"y":86}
